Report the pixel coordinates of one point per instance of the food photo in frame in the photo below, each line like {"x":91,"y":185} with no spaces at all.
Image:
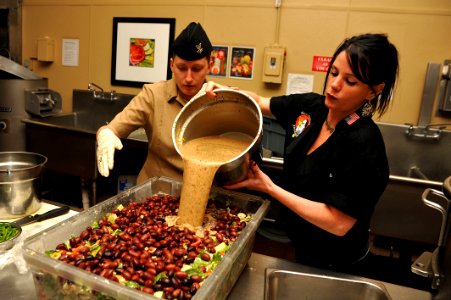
{"x":219,"y":57}
{"x":242,"y":62}
{"x":141,"y":50}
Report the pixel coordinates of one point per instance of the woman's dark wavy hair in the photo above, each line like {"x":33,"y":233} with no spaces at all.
{"x":373,"y":60}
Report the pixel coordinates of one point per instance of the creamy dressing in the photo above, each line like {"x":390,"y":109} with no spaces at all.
{"x":202,"y":157}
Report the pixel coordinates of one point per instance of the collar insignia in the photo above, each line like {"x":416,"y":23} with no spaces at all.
{"x":302,"y":122}
{"x":199,"y":48}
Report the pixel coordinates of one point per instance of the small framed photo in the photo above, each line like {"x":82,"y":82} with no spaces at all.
{"x":141,"y":50}
{"x":242,"y":61}
{"x":219,"y":57}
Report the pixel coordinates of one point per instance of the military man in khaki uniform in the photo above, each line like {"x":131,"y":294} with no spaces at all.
{"x":156,"y":107}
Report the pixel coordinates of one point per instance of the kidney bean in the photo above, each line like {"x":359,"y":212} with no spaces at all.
{"x":126,"y":256}
{"x":107,"y":273}
{"x":165,"y":281}
{"x":135,"y":261}
{"x":134,"y":253}
{"x":179,"y":252}
{"x":170,"y":267}
{"x":111,"y":264}
{"x":205,"y":256}
{"x":159,"y":266}
{"x":181,"y":274}
{"x":148,"y":285}
{"x":196,"y":278}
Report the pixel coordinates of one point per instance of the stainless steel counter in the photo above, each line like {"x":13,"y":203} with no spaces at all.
{"x":251,"y":284}
{"x":19,"y":285}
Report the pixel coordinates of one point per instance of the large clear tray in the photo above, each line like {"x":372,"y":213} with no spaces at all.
{"x":216,"y":286}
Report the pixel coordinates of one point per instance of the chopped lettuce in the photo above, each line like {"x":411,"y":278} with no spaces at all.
{"x":111,"y":218}
{"x":159,"y":277}
{"x":94,"y":249}
{"x":244,"y":218}
{"x":132,"y":284}
{"x":95,"y":225}
{"x":222,"y":248}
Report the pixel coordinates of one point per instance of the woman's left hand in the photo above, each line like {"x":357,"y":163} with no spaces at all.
{"x":256,"y":180}
{"x":208,"y":88}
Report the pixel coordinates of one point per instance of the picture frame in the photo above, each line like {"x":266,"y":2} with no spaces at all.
{"x":242,"y":62}
{"x":141,"y":50}
{"x":220,"y":59}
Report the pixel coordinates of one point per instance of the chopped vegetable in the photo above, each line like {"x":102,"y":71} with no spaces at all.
{"x":7,"y":232}
{"x":159,"y":277}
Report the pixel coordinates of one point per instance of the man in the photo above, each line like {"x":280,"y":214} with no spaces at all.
{"x":156,"y":107}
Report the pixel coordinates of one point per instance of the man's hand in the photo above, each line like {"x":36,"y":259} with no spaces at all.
{"x":107,"y":142}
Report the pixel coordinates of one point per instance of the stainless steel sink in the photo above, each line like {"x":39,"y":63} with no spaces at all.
{"x":68,"y":140}
{"x":89,"y":112}
{"x":287,"y":285}
{"x":84,"y":121}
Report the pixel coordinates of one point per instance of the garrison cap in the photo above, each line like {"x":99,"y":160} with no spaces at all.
{"x":192,"y":43}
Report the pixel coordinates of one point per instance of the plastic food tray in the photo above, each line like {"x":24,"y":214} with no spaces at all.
{"x":217,"y":286}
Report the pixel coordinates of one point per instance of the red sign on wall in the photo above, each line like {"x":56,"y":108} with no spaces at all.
{"x":321,"y":63}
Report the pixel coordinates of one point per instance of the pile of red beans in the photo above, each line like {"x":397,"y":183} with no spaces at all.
{"x":139,"y":246}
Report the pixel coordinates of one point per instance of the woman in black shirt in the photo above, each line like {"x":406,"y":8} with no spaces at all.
{"x":335,"y":164}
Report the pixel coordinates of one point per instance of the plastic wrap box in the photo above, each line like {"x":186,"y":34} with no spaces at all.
{"x":273,"y":136}
{"x":216,"y":286}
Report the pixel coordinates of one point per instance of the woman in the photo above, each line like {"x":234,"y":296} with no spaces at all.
{"x":335,"y":165}
{"x":156,"y":107}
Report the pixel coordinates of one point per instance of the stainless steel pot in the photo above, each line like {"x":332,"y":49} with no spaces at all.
{"x":229,"y":113}
{"x":20,"y":183}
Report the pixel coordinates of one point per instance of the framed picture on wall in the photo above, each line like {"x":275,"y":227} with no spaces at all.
{"x":219,"y":56}
{"x":242,"y":62}
{"x":141,"y":50}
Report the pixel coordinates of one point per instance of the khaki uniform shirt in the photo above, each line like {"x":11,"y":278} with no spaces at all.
{"x":154,"y":109}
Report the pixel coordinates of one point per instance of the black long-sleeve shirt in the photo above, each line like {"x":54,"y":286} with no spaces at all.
{"x":349,"y":172}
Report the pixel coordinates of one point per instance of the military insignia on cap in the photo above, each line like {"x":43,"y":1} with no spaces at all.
{"x":192,"y":43}
{"x":199,"y":48}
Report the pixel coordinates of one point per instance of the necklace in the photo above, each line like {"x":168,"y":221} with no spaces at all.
{"x":328,"y":127}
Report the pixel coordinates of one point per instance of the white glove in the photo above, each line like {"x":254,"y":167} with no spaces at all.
{"x":107,"y":142}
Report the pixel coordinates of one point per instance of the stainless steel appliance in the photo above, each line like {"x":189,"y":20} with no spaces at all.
{"x":445,"y":87}
{"x":15,"y":82}
{"x":20,"y":179}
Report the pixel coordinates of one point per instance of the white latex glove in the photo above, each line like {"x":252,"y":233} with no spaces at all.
{"x":201,"y":91}
{"x":107,"y":142}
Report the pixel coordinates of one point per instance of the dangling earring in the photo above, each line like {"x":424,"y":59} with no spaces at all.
{"x":367,"y":109}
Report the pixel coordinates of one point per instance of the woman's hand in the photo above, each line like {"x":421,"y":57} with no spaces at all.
{"x":256,"y":180}
{"x":263,"y":102}
{"x":211,"y":85}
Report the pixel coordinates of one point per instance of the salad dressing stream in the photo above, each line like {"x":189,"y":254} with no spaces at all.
{"x":202,"y":157}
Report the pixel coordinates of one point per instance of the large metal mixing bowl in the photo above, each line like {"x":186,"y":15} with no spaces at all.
{"x":20,"y":183}
{"x":232,"y":113}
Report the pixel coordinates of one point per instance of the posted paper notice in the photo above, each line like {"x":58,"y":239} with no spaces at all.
{"x":299,"y":83}
{"x":71,"y":48}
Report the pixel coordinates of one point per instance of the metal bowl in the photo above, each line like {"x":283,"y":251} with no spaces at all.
{"x":20,"y":183}
{"x":231,"y":112}
{"x":8,"y":244}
